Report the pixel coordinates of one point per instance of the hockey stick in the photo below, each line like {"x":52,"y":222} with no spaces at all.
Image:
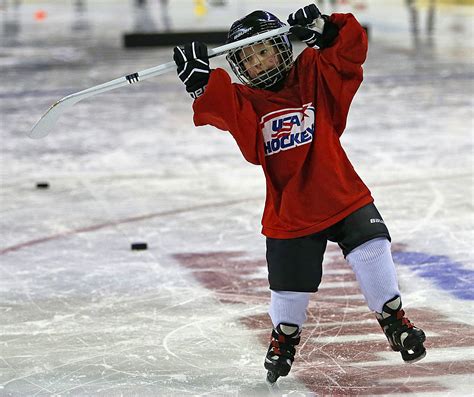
{"x":47,"y":121}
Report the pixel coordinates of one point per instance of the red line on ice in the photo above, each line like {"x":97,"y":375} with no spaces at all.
{"x":104,"y":225}
{"x":326,"y":364}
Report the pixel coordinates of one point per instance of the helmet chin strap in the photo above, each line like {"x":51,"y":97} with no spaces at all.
{"x":269,"y":79}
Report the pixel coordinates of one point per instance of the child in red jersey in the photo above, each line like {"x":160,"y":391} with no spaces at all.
{"x":288,"y":117}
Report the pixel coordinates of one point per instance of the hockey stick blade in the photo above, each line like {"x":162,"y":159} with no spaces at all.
{"x":49,"y":119}
{"x":44,"y":126}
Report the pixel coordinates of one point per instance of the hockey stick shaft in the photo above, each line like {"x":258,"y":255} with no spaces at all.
{"x":49,"y":119}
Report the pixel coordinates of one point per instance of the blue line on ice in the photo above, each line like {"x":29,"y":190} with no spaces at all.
{"x":447,"y":274}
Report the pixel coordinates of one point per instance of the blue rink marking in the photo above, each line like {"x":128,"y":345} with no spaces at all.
{"x":447,"y":274}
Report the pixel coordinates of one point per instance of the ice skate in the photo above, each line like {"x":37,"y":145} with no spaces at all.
{"x":402,"y":335}
{"x":281,"y":351}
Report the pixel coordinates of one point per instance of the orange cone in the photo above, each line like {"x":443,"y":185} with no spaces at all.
{"x":40,"y":15}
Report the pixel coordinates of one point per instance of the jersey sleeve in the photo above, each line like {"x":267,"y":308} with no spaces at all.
{"x":223,"y":107}
{"x":340,"y":66}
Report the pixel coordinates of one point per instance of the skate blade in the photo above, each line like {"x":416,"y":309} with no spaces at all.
{"x":273,"y":387}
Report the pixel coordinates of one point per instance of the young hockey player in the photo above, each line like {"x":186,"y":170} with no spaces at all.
{"x":287,"y":117}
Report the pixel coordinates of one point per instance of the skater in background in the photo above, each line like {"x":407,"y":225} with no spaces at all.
{"x":143,"y":19}
{"x":165,"y":15}
{"x":81,"y":20}
{"x":288,"y":117}
{"x":11,"y":26}
{"x":413,"y":11}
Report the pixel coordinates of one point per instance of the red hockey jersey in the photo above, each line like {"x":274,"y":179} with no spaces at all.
{"x":294,"y":133}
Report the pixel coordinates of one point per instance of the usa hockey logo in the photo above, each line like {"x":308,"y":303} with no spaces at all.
{"x":288,"y":128}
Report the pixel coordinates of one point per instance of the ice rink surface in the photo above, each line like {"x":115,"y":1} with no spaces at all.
{"x":81,"y":314}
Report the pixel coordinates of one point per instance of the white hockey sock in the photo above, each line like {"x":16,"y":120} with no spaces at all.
{"x":373,"y":266}
{"x":288,"y":307}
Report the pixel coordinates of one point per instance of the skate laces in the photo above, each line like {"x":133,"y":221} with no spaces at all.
{"x":396,"y":319}
{"x":402,"y":335}
{"x":282,"y":344}
{"x":400,"y":332}
{"x":275,"y":342}
{"x":403,"y":319}
{"x":281,"y":352}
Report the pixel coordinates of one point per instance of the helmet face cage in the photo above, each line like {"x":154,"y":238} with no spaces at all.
{"x":280,"y":46}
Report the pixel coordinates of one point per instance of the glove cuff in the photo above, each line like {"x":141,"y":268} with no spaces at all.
{"x":318,"y":24}
{"x":198,"y":87}
{"x":196,"y":94}
{"x":329,"y":35}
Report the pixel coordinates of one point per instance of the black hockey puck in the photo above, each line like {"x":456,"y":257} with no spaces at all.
{"x":42,"y":185}
{"x":139,"y":246}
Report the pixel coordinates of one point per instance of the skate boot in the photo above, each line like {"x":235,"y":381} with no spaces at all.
{"x":402,"y":335}
{"x":281,"y":351}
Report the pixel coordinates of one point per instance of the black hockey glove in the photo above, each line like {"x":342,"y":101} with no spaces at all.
{"x":304,"y":16}
{"x":193,"y":67}
{"x":324,"y":32}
